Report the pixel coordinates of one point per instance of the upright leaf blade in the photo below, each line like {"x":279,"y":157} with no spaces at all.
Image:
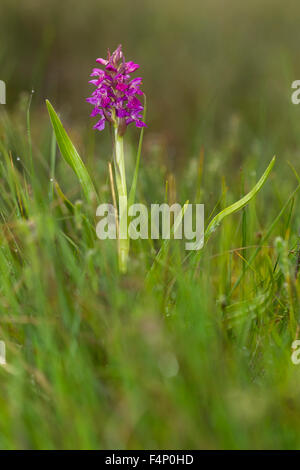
{"x":241,"y":203}
{"x":70,"y":154}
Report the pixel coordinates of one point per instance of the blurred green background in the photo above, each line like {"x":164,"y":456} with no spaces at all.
{"x":209,"y":67}
{"x":200,"y":356}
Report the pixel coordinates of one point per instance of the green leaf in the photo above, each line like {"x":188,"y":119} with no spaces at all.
{"x":70,"y":154}
{"x":239,"y":204}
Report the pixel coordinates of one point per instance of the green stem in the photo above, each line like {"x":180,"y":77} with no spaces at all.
{"x":122,"y":193}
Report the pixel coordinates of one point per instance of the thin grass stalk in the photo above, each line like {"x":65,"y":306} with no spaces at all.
{"x":123,"y":246}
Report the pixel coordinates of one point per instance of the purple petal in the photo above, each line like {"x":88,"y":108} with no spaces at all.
{"x":100,"y":125}
{"x":134,"y":87}
{"x":134,"y":103}
{"x":122,"y":113}
{"x":105,"y":101}
{"x":95,"y":82}
{"x":136,"y":81}
{"x":97,"y":73}
{"x":92,"y":100}
{"x":121,"y":99}
{"x":121,"y":86}
{"x":121,"y":77}
{"x":131,"y":67}
{"x":135,"y":113}
{"x":140,"y":124}
{"x":117,"y":54}
{"x":111,"y":67}
{"x":96,"y":111}
{"x":102,"y":61}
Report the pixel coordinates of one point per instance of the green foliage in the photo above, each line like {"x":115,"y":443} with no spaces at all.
{"x":169,"y":356}
{"x":186,"y":350}
{"x":70,"y":154}
{"x":239,"y":204}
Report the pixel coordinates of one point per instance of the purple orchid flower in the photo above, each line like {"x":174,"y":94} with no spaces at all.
{"x":114,"y":98}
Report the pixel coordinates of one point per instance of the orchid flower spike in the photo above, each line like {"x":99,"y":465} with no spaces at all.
{"x":115,"y":98}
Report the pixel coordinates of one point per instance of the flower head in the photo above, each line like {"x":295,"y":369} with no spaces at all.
{"x":115,"y":96}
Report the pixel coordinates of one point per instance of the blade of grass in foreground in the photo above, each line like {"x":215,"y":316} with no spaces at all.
{"x":234,"y":208}
{"x":70,"y":154}
{"x":264,"y":238}
{"x":239,"y":204}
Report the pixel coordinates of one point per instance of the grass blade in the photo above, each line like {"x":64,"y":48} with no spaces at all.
{"x":239,"y":204}
{"x":70,"y":154}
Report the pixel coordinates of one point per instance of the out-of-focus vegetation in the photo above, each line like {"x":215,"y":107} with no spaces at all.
{"x":194,"y":353}
{"x":206,"y":65}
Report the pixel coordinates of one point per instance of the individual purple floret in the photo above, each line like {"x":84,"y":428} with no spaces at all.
{"x":115,"y":97}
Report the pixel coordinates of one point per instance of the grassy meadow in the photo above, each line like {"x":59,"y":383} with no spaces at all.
{"x":187,"y":350}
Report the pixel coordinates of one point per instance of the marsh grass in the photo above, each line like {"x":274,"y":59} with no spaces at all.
{"x":191,"y":353}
